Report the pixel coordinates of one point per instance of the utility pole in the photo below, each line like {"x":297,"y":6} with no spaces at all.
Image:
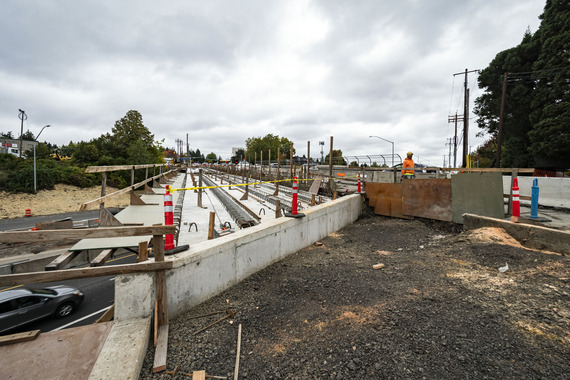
{"x":454,"y":119}
{"x":466,"y":117}
{"x":450,"y":143}
{"x":502,"y":112}
{"x":22,"y":116}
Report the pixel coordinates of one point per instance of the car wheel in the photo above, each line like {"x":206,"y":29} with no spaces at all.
{"x":64,"y":309}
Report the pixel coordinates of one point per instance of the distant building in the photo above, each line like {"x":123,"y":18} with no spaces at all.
{"x":10,"y":146}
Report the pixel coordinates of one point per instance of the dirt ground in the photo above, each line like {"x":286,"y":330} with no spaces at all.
{"x":439,"y":309}
{"x":47,"y":202}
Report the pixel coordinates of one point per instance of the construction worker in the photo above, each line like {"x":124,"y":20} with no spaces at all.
{"x":408,"y":163}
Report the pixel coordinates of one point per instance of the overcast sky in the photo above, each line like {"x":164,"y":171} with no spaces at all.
{"x":223,"y":71}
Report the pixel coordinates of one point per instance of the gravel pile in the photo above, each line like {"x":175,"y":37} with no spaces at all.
{"x":439,"y":309}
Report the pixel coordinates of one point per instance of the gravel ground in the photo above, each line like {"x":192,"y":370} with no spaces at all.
{"x":439,"y":309}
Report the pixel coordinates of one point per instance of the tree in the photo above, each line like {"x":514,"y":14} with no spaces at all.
{"x":6,"y":135}
{"x":211,"y":157}
{"x":240,"y":153}
{"x":269,"y":142}
{"x":128,"y":130}
{"x":537,"y":99}
{"x":139,"y":154}
{"x":28,"y":136}
{"x":337,"y":158}
{"x":550,"y":115}
{"x":86,"y":154}
{"x":516,"y":123}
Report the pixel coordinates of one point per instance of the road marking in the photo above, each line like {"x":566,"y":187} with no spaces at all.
{"x":13,"y":287}
{"x":80,"y":319}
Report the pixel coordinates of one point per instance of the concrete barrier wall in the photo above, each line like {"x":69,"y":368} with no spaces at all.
{"x":212,"y":266}
{"x":553,"y":192}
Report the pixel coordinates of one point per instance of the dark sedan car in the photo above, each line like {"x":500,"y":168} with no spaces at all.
{"x":24,"y":305}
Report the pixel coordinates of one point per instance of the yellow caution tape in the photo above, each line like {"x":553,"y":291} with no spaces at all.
{"x":251,"y":183}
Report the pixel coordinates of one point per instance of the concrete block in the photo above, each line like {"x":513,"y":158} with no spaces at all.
{"x":134,"y":296}
{"x":530,"y":236}
{"x":477,"y":193}
{"x":124,"y":350}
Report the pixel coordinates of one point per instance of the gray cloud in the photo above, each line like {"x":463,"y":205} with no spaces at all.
{"x":224,"y":71}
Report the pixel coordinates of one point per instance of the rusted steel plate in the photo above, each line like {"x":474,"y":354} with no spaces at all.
{"x":427,"y":198}
{"x":389,"y":200}
{"x":371,"y":190}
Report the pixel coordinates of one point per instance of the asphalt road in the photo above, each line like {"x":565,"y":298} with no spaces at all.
{"x":29,"y":222}
{"x":99,"y":296}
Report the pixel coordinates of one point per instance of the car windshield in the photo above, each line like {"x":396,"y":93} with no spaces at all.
{"x":43,"y":291}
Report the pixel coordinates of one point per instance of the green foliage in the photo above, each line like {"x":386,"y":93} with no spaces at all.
{"x":537,"y":99}
{"x":211,"y":157}
{"x":6,"y":135}
{"x":28,"y":136}
{"x":337,"y":158}
{"x":269,"y":142}
{"x":17,"y":174}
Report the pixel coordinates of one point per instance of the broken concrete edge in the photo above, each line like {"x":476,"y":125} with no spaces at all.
{"x":531,"y":236}
{"x":124,"y":351}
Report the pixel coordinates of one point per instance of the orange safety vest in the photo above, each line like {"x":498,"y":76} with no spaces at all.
{"x":408,"y":163}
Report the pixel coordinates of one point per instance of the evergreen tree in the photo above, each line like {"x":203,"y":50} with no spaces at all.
{"x":537,"y":100}
{"x":550,"y":116}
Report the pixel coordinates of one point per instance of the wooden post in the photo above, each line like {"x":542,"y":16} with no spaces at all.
{"x":291,"y":162}
{"x":200,"y":190}
{"x":308,"y":160}
{"x":331,"y":167}
{"x":103,"y":193}
{"x":277,"y":209}
{"x":261,"y":167}
{"x":211,"y":226}
{"x":132,"y":176}
{"x":161,"y":295}
{"x":143,"y":252}
{"x":312,"y":199}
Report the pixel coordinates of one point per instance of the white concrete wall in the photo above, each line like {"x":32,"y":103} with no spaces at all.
{"x":553,"y":192}
{"x":210,"y":267}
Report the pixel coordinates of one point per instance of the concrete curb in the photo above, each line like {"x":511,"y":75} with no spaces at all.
{"x":124,"y":351}
{"x":530,"y":236}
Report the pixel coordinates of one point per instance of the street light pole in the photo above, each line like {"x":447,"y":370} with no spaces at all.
{"x":37,"y":137}
{"x":22,"y":116}
{"x":391,"y":142}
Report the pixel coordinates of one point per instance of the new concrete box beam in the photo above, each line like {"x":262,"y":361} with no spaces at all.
{"x":210,"y":267}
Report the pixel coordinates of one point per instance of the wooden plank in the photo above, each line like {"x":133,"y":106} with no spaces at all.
{"x":107,"y":316}
{"x":55,"y":225}
{"x":211,"y":225}
{"x":78,"y":234}
{"x":102,"y":258}
{"x":95,"y":202}
{"x":69,"y":274}
{"x":62,"y":260}
{"x":19,"y":337}
{"x":160,"y":279}
{"x":314,"y":189}
{"x":136,"y":200}
{"x":161,"y":350}
{"x":113,"y":168}
{"x":488,"y":170}
{"x":199,"y":375}
{"x":106,"y":219}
